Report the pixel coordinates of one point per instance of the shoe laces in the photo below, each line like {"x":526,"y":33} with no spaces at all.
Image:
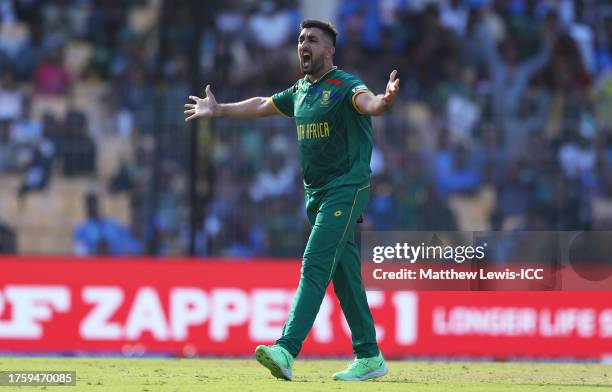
{"x":358,"y":363}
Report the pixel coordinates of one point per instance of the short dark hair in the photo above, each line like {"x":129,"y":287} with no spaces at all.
{"x":327,"y":28}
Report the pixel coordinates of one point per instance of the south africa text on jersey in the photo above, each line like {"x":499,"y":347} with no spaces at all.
{"x":313,"y":130}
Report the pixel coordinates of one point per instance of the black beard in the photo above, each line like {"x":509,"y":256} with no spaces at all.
{"x":315,"y":66}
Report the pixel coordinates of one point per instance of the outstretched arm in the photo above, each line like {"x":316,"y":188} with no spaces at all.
{"x":368,"y":103}
{"x":208,"y":107}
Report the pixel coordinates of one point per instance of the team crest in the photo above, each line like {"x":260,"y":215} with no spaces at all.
{"x":325,"y":97}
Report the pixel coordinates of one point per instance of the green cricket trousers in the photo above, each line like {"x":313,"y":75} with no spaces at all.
{"x":331,"y":254}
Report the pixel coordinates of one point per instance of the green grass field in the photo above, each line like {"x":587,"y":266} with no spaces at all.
{"x":103,"y":374}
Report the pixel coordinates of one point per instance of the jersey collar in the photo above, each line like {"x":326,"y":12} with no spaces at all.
{"x":322,"y":76}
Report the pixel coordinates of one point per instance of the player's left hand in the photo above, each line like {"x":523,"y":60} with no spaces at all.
{"x":392,"y":89}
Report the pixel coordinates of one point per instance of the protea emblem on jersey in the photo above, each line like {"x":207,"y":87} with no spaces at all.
{"x":325,"y":96}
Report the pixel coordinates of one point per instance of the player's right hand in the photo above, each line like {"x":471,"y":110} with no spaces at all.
{"x":203,"y":107}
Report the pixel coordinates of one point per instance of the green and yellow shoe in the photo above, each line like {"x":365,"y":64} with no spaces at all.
{"x":277,"y":360}
{"x":363,"y":369}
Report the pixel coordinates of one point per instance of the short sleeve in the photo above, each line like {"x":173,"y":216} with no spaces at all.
{"x":283,"y":101}
{"x":356,"y":87}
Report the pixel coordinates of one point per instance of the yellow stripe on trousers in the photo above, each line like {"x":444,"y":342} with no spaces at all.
{"x":348,"y":222}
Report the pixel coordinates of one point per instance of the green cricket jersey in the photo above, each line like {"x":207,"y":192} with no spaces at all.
{"x":335,"y":140}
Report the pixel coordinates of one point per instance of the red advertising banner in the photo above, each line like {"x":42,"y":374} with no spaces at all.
{"x":227,"y":307}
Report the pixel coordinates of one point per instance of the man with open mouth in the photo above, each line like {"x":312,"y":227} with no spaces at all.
{"x":332,"y":111}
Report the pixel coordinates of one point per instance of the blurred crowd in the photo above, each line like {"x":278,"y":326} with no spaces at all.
{"x":503,"y":120}
{"x":78,"y":102}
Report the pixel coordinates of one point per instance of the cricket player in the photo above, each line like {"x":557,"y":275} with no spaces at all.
{"x":332,"y":110}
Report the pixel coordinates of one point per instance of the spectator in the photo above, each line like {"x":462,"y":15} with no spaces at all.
{"x":584,"y":36}
{"x":456,"y":172}
{"x":26,"y":129}
{"x":271,"y":26}
{"x":7,"y":158}
{"x":277,"y":180}
{"x":514,"y":188}
{"x":11,"y":98}
{"x":576,"y":157}
{"x":78,"y":150}
{"x":454,"y":16}
{"x":99,"y":235}
{"x":382,"y":206}
{"x":51,"y":77}
{"x":604,"y":46}
{"x":40,"y":152}
{"x":8,"y":239}
{"x":510,"y":77}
